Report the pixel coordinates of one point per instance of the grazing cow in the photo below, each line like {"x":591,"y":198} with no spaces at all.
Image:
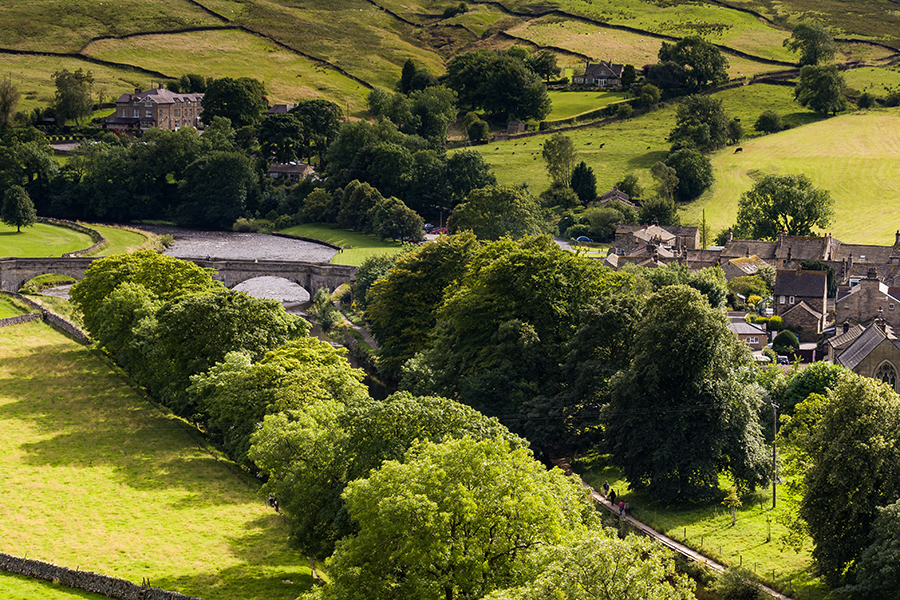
{"x":736,"y":150}
{"x":603,"y":144}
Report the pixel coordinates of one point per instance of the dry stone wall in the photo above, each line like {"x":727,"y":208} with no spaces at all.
{"x":19,"y":319}
{"x":48,"y":317}
{"x":111,"y":587}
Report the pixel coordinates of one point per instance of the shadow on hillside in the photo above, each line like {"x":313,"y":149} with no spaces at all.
{"x":85,"y":416}
{"x":267,"y":566}
{"x":646,"y":160}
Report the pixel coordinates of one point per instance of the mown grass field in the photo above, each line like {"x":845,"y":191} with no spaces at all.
{"x":17,"y":587}
{"x":854,"y":156}
{"x":120,"y":240}
{"x":9,"y":308}
{"x":40,"y":240}
{"x":754,"y":542}
{"x":92,"y":476}
{"x":572,"y":104}
{"x":288,"y":76}
{"x":357,"y":246}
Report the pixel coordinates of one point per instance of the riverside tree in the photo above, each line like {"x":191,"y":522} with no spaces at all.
{"x":673,"y":426}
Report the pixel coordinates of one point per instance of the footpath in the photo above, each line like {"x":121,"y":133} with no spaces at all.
{"x":669,"y":542}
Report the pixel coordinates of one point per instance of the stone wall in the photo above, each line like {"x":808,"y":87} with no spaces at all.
{"x":48,"y":317}
{"x":19,"y":319}
{"x":96,"y":236}
{"x":104,"y":585}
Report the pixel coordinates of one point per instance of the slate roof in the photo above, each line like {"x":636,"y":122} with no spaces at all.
{"x":654,"y":231}
{"x":744,"y":328}
{"x":159,"y":96}
{"x":742,"y":248}
{"x":616,"y":194}
{"x":748,"y":264}
{"x":862,"y":346}
{"x":841,"y":341}
{"x":802,"y":307}
{"x":801,"y":283}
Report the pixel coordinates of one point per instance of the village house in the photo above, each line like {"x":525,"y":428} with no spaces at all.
{"x":602,"y":74}
{"x":801,"y":300}
{"x":866,"y":301}
{"x":751,"y":334}
{"x":293,"y":172}
{"x":159,"y":107}
{"x":873,"y":352}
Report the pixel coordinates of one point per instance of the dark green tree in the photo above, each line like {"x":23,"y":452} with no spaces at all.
{"x":217,"y":189}
{"x":9,"y":98}
{"x":281,"y":137}
{"x":631,"y":186}
{"x":786,"y":203}
{"x":662,"y":211}
{"x":814,"y":43}
{"x":17,"y":209}
{"x":73,"y":95}
{"x":467,"y":171}
{"x":321,"y":123}
{"x":241,"y":100}
{"x":878,"y":569}
{"x":373,"y":268}
{"x":673,"y":426}
{"x":769,"y":121}
{"x":820,"y":88}
{"x":629,"y":76}
{"x":544,"y":64}
{"x":694,"y":172}
{"x":703,"y":64}
{"x":700,"y":122}
{"x":666,"y":179}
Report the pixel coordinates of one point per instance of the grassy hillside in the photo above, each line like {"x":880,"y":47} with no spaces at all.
{"x":854,"y":156}
{"x":92,"y":476}
{"x":17,"y":587}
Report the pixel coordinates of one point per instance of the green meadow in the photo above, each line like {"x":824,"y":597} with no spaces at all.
{"x":854,"y":156}
{"x":120,"y":239}
{"x":93,"y":476}
{"x":10,"y":307}
{"x":18,"y":587}
{"x":357,"y":246}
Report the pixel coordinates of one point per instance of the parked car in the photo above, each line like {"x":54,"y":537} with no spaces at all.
{"x":439,"y":230}
{"x":782,"y":360}
{"x":428,"y":227}
{"x":583,"y":238}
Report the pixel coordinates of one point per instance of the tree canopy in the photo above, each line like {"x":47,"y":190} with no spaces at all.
{"x":786,"y":203}
{"x":814,"y":43}
{"x":674,"y":425}
{"x":703,"y":64}
{"x":700,"y":122}
{"x":17,"y":210}
{"x":241,"y":100}
{"x":73,"y":95}
{"x":496,"y":211}
{"x":559,"y":154}
{"x":821,"y":88}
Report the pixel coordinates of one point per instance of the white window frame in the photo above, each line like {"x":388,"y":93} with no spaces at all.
{"x":791,"y":300}
{"x":781,"y":299}
{"x":753,"y":340}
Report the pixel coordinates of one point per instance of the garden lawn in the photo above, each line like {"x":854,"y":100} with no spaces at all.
{"x":18,"y":587}
{"x":120,"y":240}
{"x":41,"y":240}
{"x":707,"y":528}
{"x":854,"y":156}
{"x":572,"y":104}
{"x":93,"y":476}
{"x":357,"y":246}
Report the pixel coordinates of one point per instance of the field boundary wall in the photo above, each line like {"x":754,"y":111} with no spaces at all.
{"x":48,"y":317}
{"x":96,"y":236}
{"x":111,"y":587}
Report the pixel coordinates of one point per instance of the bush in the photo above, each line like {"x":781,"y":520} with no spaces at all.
{"x":243,"y":225}
{"x":785,"y":342}
{"x":283,"y":222}
{"x":624,"y":110}
{"x":770,"y":353}
{"x":866,"y":100}
{"x":576,"y":231}
{"x":769,"y":122}
{"x":736,"y":584}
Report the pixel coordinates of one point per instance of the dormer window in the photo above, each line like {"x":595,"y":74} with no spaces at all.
{"x":792,"y":300}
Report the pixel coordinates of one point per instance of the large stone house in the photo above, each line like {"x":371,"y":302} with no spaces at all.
{"x":866,"y":301}
{"x":155,"y":108}
{"x":602,"y":74}
{"x":874,"y":352}
{"x":801,"y":300}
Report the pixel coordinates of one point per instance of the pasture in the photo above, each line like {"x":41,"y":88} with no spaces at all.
{"x":120,"y":239}
{"x":288,"y":76}
{"x":357,"y":246}
{"x":854,"y":156}
{"x":93,"y":476}
{"x":631,"y":145}
{"x":17,"y":587}
{"x":9,"y":307}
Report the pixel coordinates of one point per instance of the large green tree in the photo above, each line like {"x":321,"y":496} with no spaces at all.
{"x":282,"y":137}
{"x":788,"y":203}
{"x":674,"y":425}
{"x":584,"y":182}
{"x":559,"y":154}
{"x":496,"y":211}
{"x":814,"y":43}
{"x":17,"y":209}
{"x":855,"y":452}
{"x":73,"y":95}
{"x":700,"y":122}
{"x":702,"y":63}
{"x":241,"y":100}
{"x":9,"y":98}
{"x":217,"y":188}
{"x":467,"y":171}
{"x":311,"y":452}
{"x":402,"y":305}
{"x":694,"y":172}
{"x":821,"y":88}
{"x":455,"y":520}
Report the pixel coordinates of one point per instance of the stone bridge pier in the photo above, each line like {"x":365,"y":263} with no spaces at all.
{"x":14,"y":272}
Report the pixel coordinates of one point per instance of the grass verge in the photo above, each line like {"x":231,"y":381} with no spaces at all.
{"x":93,"y":476}
{"x":357,"y":246}
{"x":41,"y":240}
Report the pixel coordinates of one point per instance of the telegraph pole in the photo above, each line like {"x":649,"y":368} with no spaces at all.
{"x":774,"y":463}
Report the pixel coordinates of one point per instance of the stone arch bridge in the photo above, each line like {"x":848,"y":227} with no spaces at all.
{"x":14,"y":272}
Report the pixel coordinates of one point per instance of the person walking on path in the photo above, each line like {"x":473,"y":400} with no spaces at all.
{"x":606,"y":488}
{"x":621,"y":508}
{"x":627,"y":509}
{"x":612,"y":497}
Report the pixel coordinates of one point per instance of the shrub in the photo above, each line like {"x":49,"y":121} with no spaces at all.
{"x":242,"y":225}
{"x":770,"y":353}
{"x":866,"y":100}
{"x":623,"y":111}
{"x":736,"y":584}
{"x":785,"y":342}
{"x":283,"y":222}
{"x":769,"y":122}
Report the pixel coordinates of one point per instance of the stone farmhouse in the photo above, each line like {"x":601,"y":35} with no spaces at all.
{"x":155,"y":108}
{"x":602,"y":74}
